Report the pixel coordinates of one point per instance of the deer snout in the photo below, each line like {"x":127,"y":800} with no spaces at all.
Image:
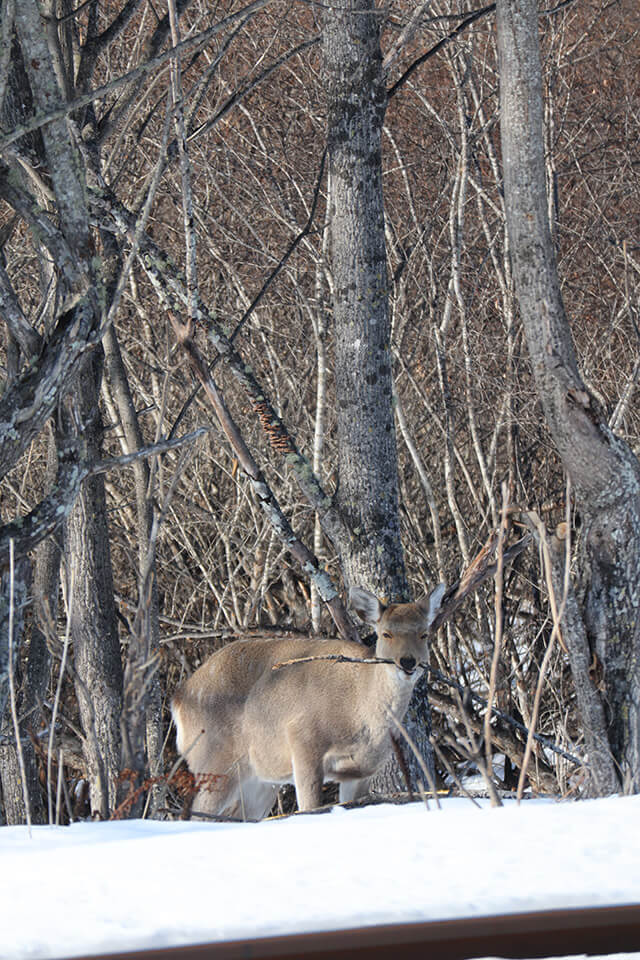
{"x":408,"y":664}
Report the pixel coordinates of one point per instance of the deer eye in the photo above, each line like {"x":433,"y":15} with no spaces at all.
{"x":424,"y":636}
{"x":387,"y":636}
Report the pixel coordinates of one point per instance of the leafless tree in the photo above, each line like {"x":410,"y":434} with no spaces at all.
{"x":603,"y":470}
{"x":225,"y":169}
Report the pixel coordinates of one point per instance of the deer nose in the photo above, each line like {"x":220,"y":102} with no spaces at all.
{"x":408,"y":664}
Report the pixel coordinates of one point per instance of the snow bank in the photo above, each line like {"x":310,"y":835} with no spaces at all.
{"x":97,"y":887}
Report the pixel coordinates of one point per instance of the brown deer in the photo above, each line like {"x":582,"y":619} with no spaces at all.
{"x":245,"y":728}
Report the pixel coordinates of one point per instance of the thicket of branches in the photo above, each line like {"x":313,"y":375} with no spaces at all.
{"x":233,"y":131}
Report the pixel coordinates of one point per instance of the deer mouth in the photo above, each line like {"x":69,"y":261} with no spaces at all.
{"x":407,"y":669}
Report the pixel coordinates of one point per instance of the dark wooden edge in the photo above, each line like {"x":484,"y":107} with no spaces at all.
{"x":597,"y":930}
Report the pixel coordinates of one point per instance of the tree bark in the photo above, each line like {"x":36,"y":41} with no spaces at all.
{"x":604,"y":473}
{"x":142,"y":648}
{"x":96,"y":645}
{"x":602,"y":770}
{"x":62,"y":156}
{"x":368,"y":490}
{"x":368,"y":495}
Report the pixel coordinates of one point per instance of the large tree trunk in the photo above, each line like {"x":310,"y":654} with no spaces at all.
{"x":87,"y":553}
{"x":368,"y":494}
{"x":368,"y":490}
{"x":604,"y":473}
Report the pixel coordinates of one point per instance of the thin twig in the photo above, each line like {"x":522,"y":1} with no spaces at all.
{"x":292,"y":246}
{"x":59,"y":785}
{"x":440,"y":677}
{"x":191,"y":273}
{"x":114,"y":463}
{"x":557,"y":615}
{"x":69,"y":594}
{"x":12,"y":690}
{"x":91,"y":96}
{"x":151,"y":187}
{"x":497,"y":642}
{"x":472,"y":750}
{"x":476,"y":574}
{"x":265,"y":496}
{"x":172,"y":295}
{"x":452,"y":773}
{"x":467,"y":22}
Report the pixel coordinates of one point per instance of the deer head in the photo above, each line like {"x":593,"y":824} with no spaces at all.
{"x":402,"y":629}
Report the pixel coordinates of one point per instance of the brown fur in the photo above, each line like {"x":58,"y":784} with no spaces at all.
{"x":253,"y":728}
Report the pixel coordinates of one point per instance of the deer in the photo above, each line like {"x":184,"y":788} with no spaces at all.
{"x":246,"y":728}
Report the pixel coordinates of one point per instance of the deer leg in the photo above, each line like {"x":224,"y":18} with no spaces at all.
{"x":308,"y":773}
{"x":308,"y":780}
{"x":258,"y":797}
{"x":211,"y":798}
{"x":351,"y":790}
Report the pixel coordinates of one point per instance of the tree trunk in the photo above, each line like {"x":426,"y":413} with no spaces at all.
{"x":367,"y":495}
{"x":602,"y":770}
{"x":368,"y":489}
{"x":96,"y":645}
{"x":604,"y":473}
{"x":143,"y":706}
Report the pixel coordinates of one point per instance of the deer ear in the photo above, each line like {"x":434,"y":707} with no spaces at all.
{"x":431,"y":604}
{"x":366,"y":605}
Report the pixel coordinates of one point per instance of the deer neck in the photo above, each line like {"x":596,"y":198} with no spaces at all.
{"x":393,"y":688}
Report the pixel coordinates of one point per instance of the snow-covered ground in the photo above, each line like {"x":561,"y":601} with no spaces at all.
{"x":98,"y":887}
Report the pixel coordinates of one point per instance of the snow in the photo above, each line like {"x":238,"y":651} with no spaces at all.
{"x":99,"y":887}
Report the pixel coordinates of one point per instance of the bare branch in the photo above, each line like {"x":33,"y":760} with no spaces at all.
{"x":114,"y":463}
{"x":58,"y":113}
{"x":164,"y":277}
{"x":286,"y":256}
{"x":266,"y":498}
{"x":43,"y":520}
{"x":478,"y":571}
{"x":436,"y":48}
{"x":21,"y":330}
{"x":43,"y":228}
{"x":32,"y":399}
